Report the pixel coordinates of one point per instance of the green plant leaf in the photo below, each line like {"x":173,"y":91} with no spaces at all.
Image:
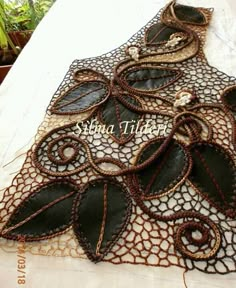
{"x":3,"y":37}
{"x":101,"y":214}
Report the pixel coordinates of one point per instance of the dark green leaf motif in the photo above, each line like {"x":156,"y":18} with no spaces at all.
{"x":229,"y":98}
{"x":214,"y":175}
{"x":166,"y":172}
{"x":101,"y":213}
{"x":159,"y":33}
{"x":118,"y":118}
{"x":43,"y":214}
{"x":189,"y":14}
{"x":147,"y":78}
{"x":83,"y":97}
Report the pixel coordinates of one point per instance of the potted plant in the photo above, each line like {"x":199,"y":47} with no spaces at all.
{"x":18,"y":20}
{"x":23,"y":17}
{"x":8,"y":51}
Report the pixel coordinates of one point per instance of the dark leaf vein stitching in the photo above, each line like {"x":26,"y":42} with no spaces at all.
{"x":214,"y":181}
{"x":103,"y":220}
{"x":150,"y":42}
{"x":164,"y":160}
{"x":78,"y":98}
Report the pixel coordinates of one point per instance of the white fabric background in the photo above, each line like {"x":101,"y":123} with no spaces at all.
{"x":75,"y":29}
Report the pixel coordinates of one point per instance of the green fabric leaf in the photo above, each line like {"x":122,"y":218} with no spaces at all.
{"x":148,"y":78}
{"x":82,"y":97}
{"x":119,"y":119}
{"x":214,"y":175}
{"x":101,"y":213}
{"x":159,"y":33}
{"x":189,"y":14}
{"x":229,"y":98}
{"x":45,"y":212}
{"x":166,"y":172}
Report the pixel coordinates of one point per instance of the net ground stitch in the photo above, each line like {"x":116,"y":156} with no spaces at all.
{"x":155,"y":183}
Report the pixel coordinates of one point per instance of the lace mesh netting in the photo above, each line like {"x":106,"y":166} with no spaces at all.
{"x":145,"y":240}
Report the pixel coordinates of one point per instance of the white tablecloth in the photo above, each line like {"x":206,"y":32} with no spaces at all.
{"x":75,"y":29}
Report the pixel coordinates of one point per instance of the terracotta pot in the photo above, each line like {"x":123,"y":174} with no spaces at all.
{"x":3,"y":71}
{"x":20,"y":38}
